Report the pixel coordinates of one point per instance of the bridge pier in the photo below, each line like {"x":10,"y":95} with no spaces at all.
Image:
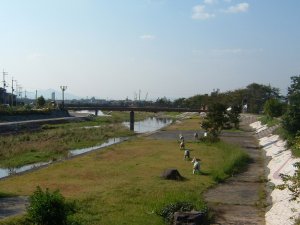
{"x":96,"y":112}
{"x":132,"y":120}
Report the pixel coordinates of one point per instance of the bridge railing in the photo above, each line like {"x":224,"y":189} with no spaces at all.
{"x":132,"y":108}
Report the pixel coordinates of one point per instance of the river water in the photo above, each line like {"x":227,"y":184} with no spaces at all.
{"x":145,"y":126}
{"x":149,"y":125}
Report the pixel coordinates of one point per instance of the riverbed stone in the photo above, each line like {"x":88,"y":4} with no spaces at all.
{"x":172,"y":174}
{"x":189,"y":218}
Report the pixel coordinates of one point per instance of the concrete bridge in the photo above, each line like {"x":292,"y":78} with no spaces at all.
{"x":131,"y":109}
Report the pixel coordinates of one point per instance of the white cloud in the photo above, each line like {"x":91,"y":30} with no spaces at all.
{"x":228,"y":1}
{"x":199,"y":13}
{"x":34,"y":56}
{"x":210,"y":2}
{"x":234,"y":51}
{"x":226,"y":51}
{"x":239,"y":8}
{"x":148,"y":37}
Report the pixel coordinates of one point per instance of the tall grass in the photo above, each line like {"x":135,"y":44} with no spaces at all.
{"x":54,"y":142}
{"x":270,"y":121}
{"x":225,"y":160}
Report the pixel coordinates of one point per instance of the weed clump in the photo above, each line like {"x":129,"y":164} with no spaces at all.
{"x":50,"y":208}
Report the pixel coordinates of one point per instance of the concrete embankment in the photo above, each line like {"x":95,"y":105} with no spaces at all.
{"x":15,"y":124}
{"x":281,"y":211}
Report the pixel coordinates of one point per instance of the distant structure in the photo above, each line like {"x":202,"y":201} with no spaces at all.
{"x":3,"y":96}
{"x":53,"y":96}
{"x":7,"y":98}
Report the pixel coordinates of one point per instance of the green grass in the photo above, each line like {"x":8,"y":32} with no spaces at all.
{"x":54,"y":141}
{"x":231,"y":160}
{"x":122,"y":185}
{"x":49,"y":144}
{"x":5,"y":195}
{"x":270,"y":121}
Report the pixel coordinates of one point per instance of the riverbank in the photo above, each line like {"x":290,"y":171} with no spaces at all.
{"x":122,"y":184}
{"x":52,"y":142}
{"x":280,"y":160}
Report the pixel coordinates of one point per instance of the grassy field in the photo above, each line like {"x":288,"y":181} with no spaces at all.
{"x":191,"y":123}
{"x":121,"y":184}
{"x":54,"y":141}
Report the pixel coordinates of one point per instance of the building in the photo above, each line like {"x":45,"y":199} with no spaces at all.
{"x":53,"y":96}
{"x":7,"y":98}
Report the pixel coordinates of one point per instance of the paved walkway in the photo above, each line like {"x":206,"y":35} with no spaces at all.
{"x":238,"y":201}
{"x":11,"y":206}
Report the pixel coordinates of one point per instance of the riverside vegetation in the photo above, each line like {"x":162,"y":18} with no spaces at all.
{"x":121,"y":184}
{"x":54,"y":141}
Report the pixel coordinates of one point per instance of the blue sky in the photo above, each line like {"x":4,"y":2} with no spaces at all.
{"x":111,"y":49}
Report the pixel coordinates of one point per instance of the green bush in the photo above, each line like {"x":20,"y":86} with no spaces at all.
{"x":49,"y":208}
{"x":292,"y":183}
{"x":273,"y":108}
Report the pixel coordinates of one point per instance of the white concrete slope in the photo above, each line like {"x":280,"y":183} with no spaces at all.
{"x":282,"y":211}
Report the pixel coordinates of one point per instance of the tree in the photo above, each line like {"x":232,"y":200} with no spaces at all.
{"x":41,"y":102}
{"x":258,"y":94}
{"x":234,"y":115}
{"x":163,"y":102}
{"x":291,"y":119}
{"x":273,"y":108}
{"x":215,"y":119}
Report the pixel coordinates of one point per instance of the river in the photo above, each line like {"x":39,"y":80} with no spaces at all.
{"x":145,"y":126}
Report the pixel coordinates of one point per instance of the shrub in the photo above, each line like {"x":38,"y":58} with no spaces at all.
{"x":273,"y":108}
{"x":49,"y":208}
{"x":292,"y":183}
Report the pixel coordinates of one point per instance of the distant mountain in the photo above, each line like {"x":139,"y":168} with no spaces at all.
{"x":47,"y":94}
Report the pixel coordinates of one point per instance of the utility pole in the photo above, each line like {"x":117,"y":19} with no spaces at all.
{"x":63,"y":88}
{"x":12,"y":91}
{"x":139,"y":95}
{"x":20,"y":91}
{"x":17,"y":91}
{"x":35,"y":98}
{"x":4,"y":86}
{"x":4,"y":83}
